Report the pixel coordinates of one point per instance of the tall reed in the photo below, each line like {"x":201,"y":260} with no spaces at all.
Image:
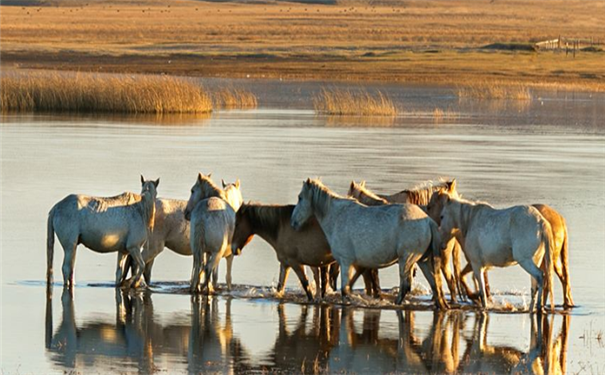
{"x":233,"y":98}
{"x":353,"y":103}
{"x":494,"y":90}
{"x":90,"y":92}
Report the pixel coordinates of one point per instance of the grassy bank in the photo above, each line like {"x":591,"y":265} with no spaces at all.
{"x":48,"y":91}
{"x":432,"y":41}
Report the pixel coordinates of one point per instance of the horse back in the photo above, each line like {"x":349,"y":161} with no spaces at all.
{"x":170,"y":226}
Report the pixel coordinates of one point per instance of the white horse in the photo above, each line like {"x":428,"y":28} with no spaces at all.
{"x":420,"y":196}
{"x":211,"y":230}
{"x":500,"y":238}
{"x":372,"y":237}
{"x":103,"y":228}
{"x":171,"y":230}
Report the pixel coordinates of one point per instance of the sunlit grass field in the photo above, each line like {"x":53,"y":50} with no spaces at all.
{"x":413,"y":41}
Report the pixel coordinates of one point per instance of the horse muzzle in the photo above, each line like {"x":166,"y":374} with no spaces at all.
{"x":236,"y":250}
{"x":295,"y":224}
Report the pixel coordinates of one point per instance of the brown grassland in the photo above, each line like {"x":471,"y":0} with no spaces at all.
{"x":433,"y":41}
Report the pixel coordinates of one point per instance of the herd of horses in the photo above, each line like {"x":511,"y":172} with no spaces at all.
{"x":431,"y":227}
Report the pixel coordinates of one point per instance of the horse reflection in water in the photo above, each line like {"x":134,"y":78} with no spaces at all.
{"x":212,"y":345}
{"x":324,"y":339}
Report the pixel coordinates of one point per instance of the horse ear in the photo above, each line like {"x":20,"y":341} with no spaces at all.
{"x":451,"y":186}
{"x":142,"y":179}
{"x":157,"y":182}
{"x":352,"y":186}
{"x":209,"y":175}
{"x":224,"y":184}
{"x":308,"y":182}
{"x":237,"y":183}
{"x":200,"y":177}
{"x":363,"y":183}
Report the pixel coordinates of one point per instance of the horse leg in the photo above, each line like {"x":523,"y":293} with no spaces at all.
{"x":147,"y":272}
{"x":229,"y":267}
{"x":465,"y":271}
{"x":195,"y":272}
{"x":537,"y":280}
{"x":69,"y":261}
{"x":300,"y":272}
{"x":478,"y":275}
{"x":447,"y":273}
{"x":361,"y":271}
{"x":284,"y":271}
{"x":345,"y":277}
{"x":432,"y":274}
{"x":139,"y":263}
{"x":456,"y":251}
{"x":376,"y":291}
{"x":324,"y":280}
{"x":210,"y":266}
{"x":405,"y":280}
{"x":488,"y":291}
{"x":315,"y":271}
{"x":121,"y":267}
{"x":215,"y":276}
{"x":333,"y":272}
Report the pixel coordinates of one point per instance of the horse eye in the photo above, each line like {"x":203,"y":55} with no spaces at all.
{"x":441,"y":217}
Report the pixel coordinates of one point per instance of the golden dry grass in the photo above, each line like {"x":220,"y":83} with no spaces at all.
{"x":84,"y":92}
{"x":231,"y":98}
{"x":495,"y":90}
{"x":353,"y":103}
{"x":416,"y":40}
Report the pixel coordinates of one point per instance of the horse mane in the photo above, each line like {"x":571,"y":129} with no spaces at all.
{"x":321,"y":195}
{"x":210,"y":189}
{"x":421,"y":195}
{"x":267,"y":217}
{"x":371,"y":197}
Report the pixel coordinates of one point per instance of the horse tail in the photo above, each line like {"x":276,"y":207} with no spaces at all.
{"x":549,"y":246}
{"x":565,"y":265}
{"x":50,"y":246}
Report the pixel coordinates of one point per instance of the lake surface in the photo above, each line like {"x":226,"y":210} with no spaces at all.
{"x":548,"y":150}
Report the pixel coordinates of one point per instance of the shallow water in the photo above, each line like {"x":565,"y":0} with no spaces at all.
{"x":550,"y":150}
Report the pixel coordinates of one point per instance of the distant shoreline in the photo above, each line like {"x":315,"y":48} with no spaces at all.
{"x":453,"y":42}
{"x":359,"y":70}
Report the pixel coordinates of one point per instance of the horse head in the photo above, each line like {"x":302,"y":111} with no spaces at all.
{"x":243,"y":233}
{"x":149,"y":188}
{"x":233,"y":194}
{"x":304,"y":207}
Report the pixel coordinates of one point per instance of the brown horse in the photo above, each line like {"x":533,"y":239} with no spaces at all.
{"x":421,"y":197}
{"x":560,"y":256}
{"x":294,"y":249}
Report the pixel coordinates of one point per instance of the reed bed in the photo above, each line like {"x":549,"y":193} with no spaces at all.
{"x":230,"y":98}
{"x":494,"y":90}
{"x":88,"y":92}
{"x":337,"y":102}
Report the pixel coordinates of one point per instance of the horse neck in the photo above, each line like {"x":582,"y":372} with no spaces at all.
{"x":321,"y":202}
{"x":266,"y":221}
{"x":146,"y":208}
{"x":370,"y":199}
{"x":463,"y":213}
{"x":420,"y":197}
{"x":210,"y":190}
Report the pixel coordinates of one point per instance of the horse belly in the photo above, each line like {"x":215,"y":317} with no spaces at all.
{"x":104,"y":241}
